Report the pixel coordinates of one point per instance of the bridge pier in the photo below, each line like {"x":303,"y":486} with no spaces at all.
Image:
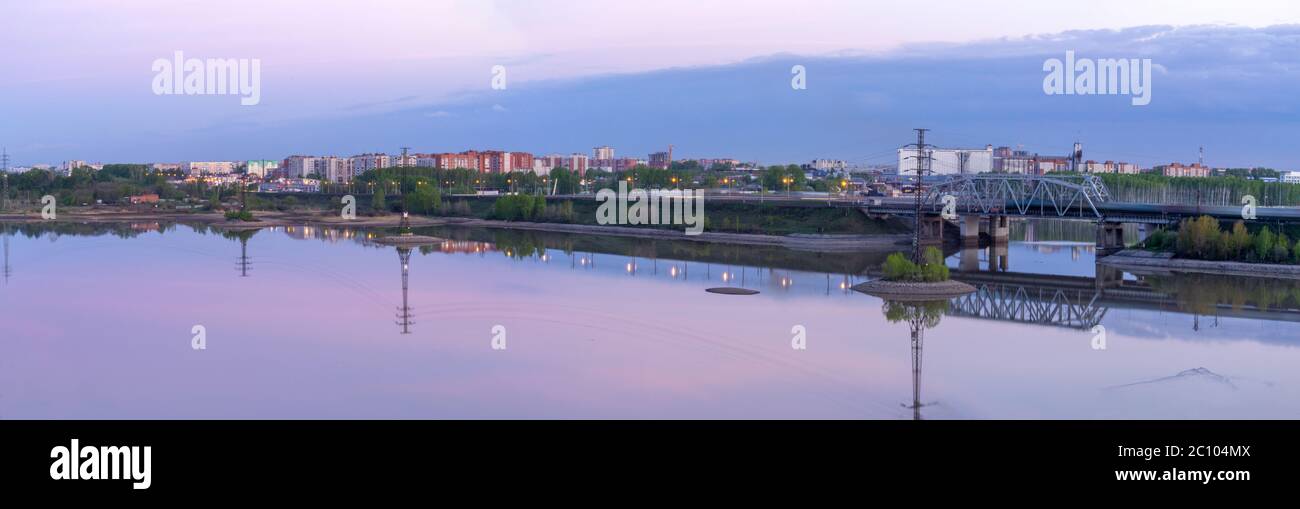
{"x":932,"y":230}
{"x":970,"y":231}
{"x":1000,"y":229}
{"x":998,"y":257}
{"x":970,"y":259}
{"x":1110,"y":238}
{"x":1108,"y":277}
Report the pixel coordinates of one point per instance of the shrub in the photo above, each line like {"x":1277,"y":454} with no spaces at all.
{"x":241,"y":215}
{"x":898,"y":268}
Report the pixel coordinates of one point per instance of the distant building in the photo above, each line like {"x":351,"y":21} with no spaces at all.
{"x":660,"y":160}
{"x":165,"y":166}
{"x":334,"y":169}
{"x":207,"y":167}
{"x":709,"y":163}
{"x":827,"y":165}
{"x":947,"y":161}
{"x":366,"y":162}
{"x":603,"y":153}
{"x":261,"y":167}
{"x":299,"y":166}
{"x":1291,"y":177}
{"x":75,"y":164}
{"x":1109,"y":167}
{"x":1183,"y":170}
{"x":143,"y":198}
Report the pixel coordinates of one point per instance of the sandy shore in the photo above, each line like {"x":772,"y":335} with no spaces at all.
{"x":273,"y":219}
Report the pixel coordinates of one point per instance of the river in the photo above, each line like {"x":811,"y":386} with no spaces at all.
{"x":102,"y":321}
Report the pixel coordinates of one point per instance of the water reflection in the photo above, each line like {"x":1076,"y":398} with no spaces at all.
{"x":625,"y":324}
{"x":919,"y":315}
{"x":1046,"y":288}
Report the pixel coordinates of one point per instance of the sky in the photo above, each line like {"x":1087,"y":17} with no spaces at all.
{"x":711,"y":78}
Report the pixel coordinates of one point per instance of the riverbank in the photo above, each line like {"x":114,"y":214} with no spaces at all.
{"x":1157,"y":261}
{"x":269,"y":219}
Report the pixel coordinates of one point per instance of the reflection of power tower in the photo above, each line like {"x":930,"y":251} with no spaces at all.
{"x":7,"y":270}
{"x":404,"y":312}
{"x":243,"y":262}
{"x":918,"y":337}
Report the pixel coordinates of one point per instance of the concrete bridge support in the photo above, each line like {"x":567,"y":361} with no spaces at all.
{"x":998,"y":257}
{"x":970,"y":231}
{"x":1110,"y":238}
{"x":970,"y":259}
{"x":932,"y":230}
{"x":1000,"y":229}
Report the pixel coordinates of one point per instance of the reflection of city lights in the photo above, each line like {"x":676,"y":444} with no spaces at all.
{"x":844,"y":285}
{"x":672,"y":272}
{"x":630,"y":267}
{"x":786,"y":281}
{"x":726,"y":276}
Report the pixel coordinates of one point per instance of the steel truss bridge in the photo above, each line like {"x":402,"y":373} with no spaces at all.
{"x":1003,"y":194}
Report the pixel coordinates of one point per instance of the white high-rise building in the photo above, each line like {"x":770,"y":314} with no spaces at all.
{"x":334,"y":169}
{"x":366,"y":162}
{"x":947,"y":161}
{"x":261,"y":167}
{"x":299,"y":166}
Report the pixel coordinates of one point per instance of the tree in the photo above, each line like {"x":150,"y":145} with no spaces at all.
{"x":1264,"y":244}
{"x":377,"y":200}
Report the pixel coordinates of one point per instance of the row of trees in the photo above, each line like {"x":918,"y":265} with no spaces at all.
{"x":111,"y":185}
{"x":1204,"y":239}
{"x":1225,"y":191}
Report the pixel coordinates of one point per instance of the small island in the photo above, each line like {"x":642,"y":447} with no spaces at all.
{"x":905,"y":280}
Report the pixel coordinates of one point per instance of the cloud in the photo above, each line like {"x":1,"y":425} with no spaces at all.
{"x":438,"y":114}
{"x":499,"y":108}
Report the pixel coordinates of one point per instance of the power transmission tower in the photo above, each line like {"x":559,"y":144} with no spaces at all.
{"x":4,"y":169}
{"x":922,"y":164}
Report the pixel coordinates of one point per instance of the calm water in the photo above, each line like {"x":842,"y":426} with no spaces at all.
{"x":306,"y":323}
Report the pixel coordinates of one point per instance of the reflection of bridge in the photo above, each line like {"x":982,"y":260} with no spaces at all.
{"x":1075,"y":302}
